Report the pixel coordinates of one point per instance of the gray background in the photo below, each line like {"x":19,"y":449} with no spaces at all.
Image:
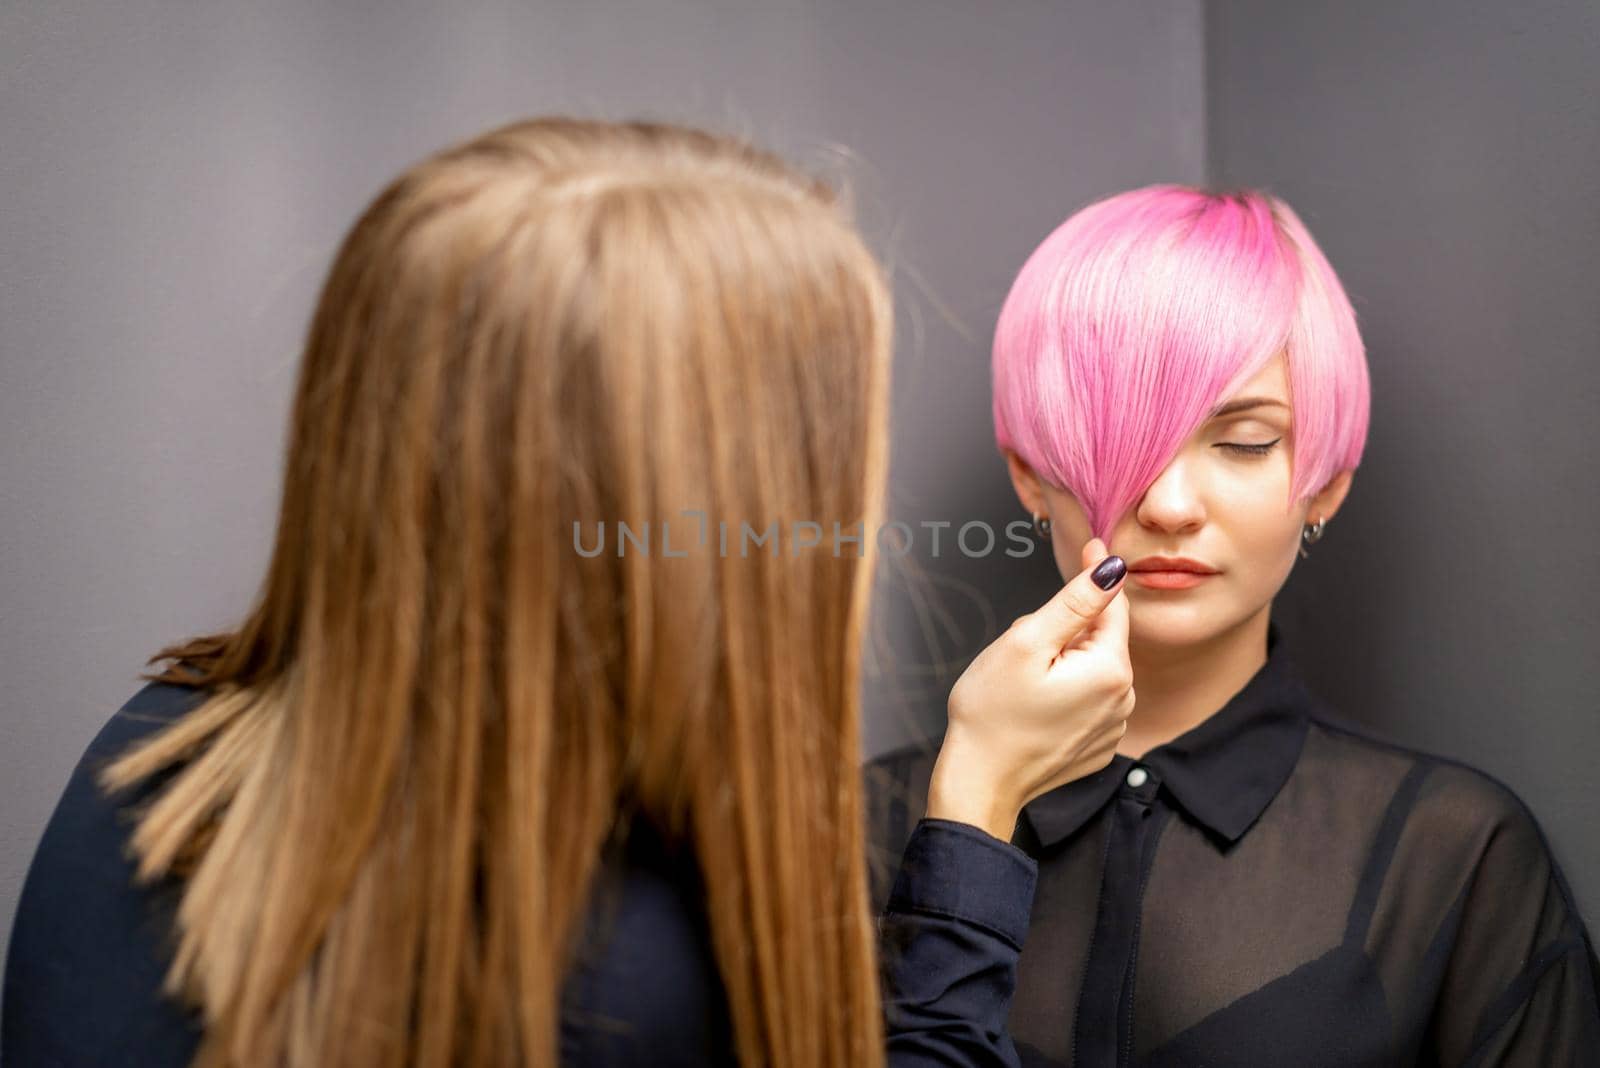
{"x":173,"y":182}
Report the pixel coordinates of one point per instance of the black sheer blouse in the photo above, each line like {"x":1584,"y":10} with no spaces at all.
{"x":1279,"y":887}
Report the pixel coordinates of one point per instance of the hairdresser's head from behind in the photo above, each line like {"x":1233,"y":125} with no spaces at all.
{"x":1126,"y":361}
{"x":419,"y":741}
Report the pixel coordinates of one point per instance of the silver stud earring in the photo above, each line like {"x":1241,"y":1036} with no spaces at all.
{"x":1041,"y":526}
{"x":1310,"y":534}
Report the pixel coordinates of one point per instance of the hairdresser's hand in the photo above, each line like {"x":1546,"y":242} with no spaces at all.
{"x":1046,"y":703}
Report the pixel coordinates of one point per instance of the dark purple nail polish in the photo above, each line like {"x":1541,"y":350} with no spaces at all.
{"x":1109,"y":572}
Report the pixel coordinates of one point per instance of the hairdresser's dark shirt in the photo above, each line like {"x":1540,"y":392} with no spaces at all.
{"x":1277,"y":887}
{"x":88,"y":949}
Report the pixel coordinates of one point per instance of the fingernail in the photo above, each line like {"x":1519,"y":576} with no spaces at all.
{"x":1108,"y":572}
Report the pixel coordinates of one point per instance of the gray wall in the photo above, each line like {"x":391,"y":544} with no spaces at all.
{"x":173,"y":179}
{"x":1446,"y":156}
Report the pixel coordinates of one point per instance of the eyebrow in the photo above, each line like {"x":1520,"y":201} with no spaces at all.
{"x":1243,"y":404}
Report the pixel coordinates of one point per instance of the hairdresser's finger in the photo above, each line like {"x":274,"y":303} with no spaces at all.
{"x":1076,"y":606}
{"x":1111,"y":629}
{"x":1091,"y":553}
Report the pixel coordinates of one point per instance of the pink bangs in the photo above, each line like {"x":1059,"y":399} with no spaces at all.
{"x":1142,"y":312}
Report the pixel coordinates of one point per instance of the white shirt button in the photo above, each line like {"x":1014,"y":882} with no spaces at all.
{"x":1138,"y":777}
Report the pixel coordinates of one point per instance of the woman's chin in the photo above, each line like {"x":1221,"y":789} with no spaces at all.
{"x":1170,"y":624}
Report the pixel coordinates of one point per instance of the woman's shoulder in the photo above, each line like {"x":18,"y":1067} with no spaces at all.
{"x":84,"y":808}
{"x":153,"y":706}
{"x":1464,"y":838}
{"x":1448,"y":782}
{"x":89,"y":947}
{"x":1441,"y":804}
{"x":87,"y":810}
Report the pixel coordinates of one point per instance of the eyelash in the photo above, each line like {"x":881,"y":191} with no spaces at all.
{"x":1252,"y":450}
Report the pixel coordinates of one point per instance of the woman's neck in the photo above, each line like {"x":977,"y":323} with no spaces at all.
{"x":1176,"y":688}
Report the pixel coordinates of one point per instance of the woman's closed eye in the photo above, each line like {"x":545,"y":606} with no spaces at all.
{"x":1251,"y":450}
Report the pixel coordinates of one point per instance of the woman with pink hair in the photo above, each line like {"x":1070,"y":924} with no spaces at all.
{"x":1252,"y":879}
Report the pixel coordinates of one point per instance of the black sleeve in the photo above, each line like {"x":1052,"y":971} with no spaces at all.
{"x":88,"y":949}
{"x":950,"y":939}
{"x":1519,"y":987}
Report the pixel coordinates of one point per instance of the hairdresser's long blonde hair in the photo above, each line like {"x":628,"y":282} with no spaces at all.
{"x":387,"y":808}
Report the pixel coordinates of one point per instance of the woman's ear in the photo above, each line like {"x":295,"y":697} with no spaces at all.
{"x":1026,"y":483}
{"x":1326,"y":503}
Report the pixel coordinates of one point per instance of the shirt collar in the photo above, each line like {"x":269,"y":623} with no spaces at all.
{"x":1223,"y":772}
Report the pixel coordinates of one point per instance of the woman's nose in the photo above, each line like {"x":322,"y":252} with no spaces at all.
{"x":1172,"y":501}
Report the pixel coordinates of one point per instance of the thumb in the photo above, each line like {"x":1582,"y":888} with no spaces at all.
{"x":1093,"y":551}
{"x":1061,"y":619}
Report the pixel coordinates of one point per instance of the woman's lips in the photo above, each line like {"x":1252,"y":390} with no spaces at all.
{"x":1169,"y":580}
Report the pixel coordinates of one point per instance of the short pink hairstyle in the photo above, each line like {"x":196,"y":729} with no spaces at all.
{"x":1142,"y":312}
